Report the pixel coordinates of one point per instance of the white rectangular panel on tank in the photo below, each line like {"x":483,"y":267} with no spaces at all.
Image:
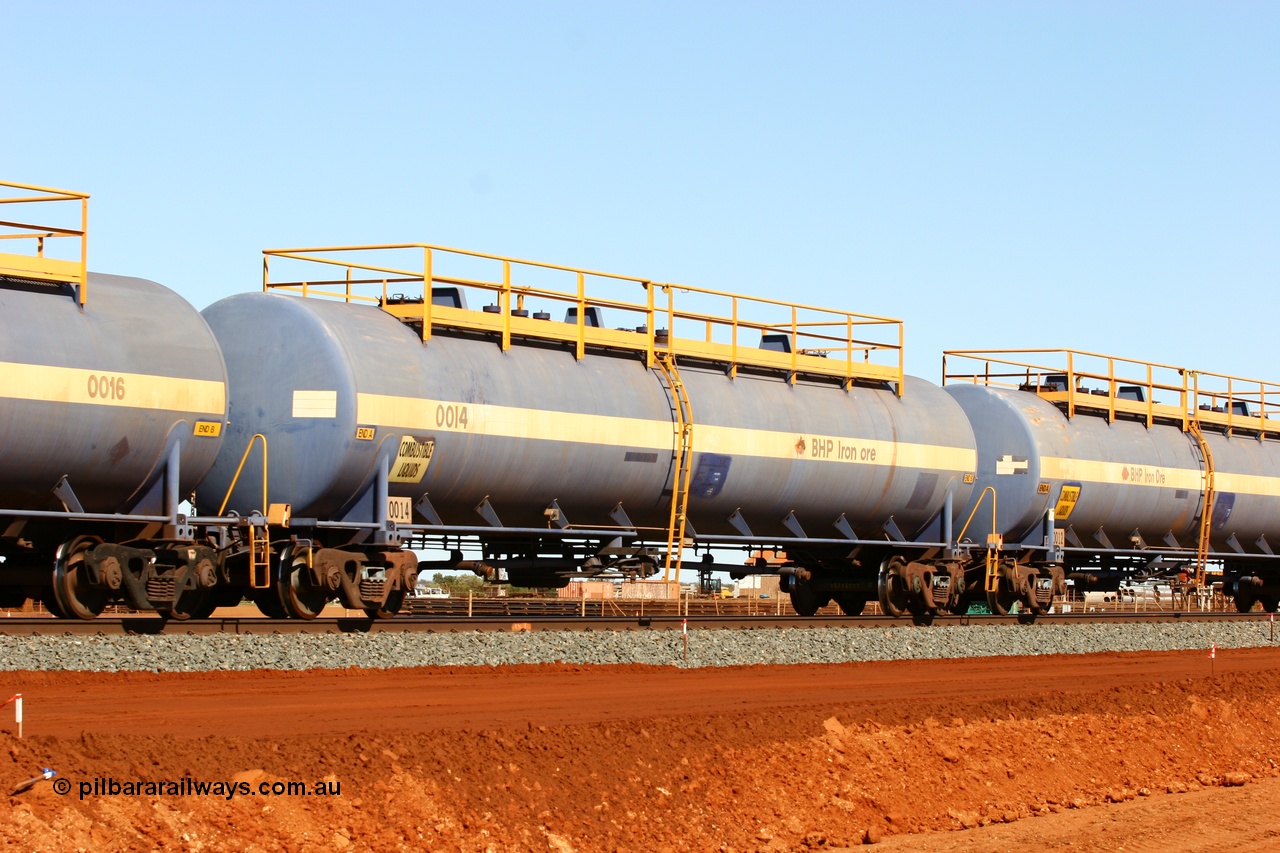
{"x":315,"y":404}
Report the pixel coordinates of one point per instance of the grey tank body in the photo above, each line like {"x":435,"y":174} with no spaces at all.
{"x":101,"y":395}
{"x":339,"y":390}
{"x":1130,"y":478}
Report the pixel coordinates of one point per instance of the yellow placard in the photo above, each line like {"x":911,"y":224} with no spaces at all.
{"x":412,"y":458}
{"x":1066,"y":502}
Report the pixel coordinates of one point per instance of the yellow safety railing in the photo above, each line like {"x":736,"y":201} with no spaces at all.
{"x":37,"y":265}
{"x":240,"y":468}
{"x":259,"y":549}
{"x":697,"y":323}
{"x":995,"y":542}
{"x":1079,"y":380}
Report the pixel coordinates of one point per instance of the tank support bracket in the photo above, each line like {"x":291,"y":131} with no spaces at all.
{"x":555,"y":515}
{"x":793,"y":524}
{"x":619,"y":515}
{"x":64,"y":493}
{"x":427,"y":511}
{"x":485,"y":510}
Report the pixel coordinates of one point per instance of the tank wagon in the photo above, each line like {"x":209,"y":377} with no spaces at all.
{"x":1111,"y":469}
{"x":570,"y":446}
{"x":112,"y":407}
{"x":580,"y":423}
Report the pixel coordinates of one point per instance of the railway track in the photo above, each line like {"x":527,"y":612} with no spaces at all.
{"x":28,"y":626}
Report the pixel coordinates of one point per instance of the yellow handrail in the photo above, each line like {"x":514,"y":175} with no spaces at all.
{"x":39,"y":266}
{"x":969,"y":520}
{"x":236,"y":478}
{"x":995,"y":542}
{"x":1064,"y":376}
{"x":818,"y":340}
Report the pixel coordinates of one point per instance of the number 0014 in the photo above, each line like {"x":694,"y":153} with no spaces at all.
{"x":400,"y":510}
{"x":451,"y":417}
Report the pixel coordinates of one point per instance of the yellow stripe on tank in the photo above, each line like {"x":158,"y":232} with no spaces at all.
{"x":423,"y":415}
{"x":1126,"y":474}
{"x":511,"y":422}
{"x":1120,"y":473}
{"x":769,"y":444}
{"x":1246,"y":484}
{"x":48,"y":384}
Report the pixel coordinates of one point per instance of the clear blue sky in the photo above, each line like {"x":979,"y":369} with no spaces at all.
{"x":997,"y":174}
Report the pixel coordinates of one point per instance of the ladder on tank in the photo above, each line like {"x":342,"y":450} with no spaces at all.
{"x":259,"y":525}
{"x":683,"y":463}
{"x":1206,"y":512}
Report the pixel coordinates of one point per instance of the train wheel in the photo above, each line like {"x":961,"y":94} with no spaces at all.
{"x":268,"y":601}
{"x":1269,"y":603}
{"x":299,"y":595}
{"x":51,"y":604}
{"x":851,"y":605}
{"x":196,"y":602}
{"x":1001,"y":599}
{"x":222,"y":596}
{"x":389,"y":609}
{"x":806,"y":602}
{"x":204,"y":609}
{"x":1243,"y":604}
{"x":893,"y":592}
{"x":191,"y":604}
{"x":72,"y":593}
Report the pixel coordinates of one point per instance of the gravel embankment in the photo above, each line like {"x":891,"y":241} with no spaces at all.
{"x":180,"y":653}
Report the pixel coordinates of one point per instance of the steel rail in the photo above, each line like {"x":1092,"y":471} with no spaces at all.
{"x":152,"y":625}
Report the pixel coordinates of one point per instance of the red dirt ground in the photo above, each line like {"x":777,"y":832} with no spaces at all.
{"x":1141,"y":752}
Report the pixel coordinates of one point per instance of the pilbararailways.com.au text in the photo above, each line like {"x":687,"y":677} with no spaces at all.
{"x":188,"y":787}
